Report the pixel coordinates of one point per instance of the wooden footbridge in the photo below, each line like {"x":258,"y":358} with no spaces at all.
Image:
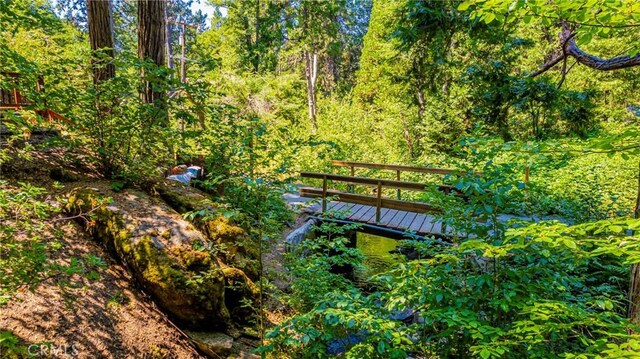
{"x":377,"y":209}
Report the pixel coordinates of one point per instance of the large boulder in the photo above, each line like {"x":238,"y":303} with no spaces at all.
{"x":184,"y":198}
{"x":237,"y":248}
{"x":161,"y":249}
{"x":239,"y":289}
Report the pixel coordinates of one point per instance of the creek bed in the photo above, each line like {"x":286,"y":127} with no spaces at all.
{"x":378,"y":258}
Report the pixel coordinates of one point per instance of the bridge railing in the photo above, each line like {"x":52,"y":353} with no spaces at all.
{"x":378,"y":200}
{"x":399,"y":169}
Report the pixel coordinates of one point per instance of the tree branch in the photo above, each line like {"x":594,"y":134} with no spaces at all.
{"x":565,"y":57}
{"x":569,"y":48}
{"x":547,"y":65}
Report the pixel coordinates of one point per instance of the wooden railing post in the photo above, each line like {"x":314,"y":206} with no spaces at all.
{"x":324,"y":194}
{"x":398,"y":178}
{"x":378,"y":202}
{"x":353,"y":173}
{"x":526,"y":175}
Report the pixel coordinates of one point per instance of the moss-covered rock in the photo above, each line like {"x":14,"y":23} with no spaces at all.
{"x":239,"y":250}
{"x":158,"y":246}
{"x":236,"y":249}
{"x":241,"y":292}
{"x":183,"y":198}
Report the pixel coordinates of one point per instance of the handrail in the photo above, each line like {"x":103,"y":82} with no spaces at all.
{"x":415,"y":186}
{"x":378,"y":200}
{"x":438,"y":171}
{"x":12,"y":99}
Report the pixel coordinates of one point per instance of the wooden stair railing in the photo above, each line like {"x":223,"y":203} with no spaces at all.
{"x":12,"y":100}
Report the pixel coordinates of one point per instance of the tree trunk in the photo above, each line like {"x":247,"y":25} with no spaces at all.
{"x":421,"y":103}
{"x":100,"y":23}
{"x":101,"y":39}
{"x":634,"y":285}
{"x":151,"y":46}
{"x":406,"y":132}
{"x":170,"y":63}
{"x":311,"y":72}
{"x":256,"y":53}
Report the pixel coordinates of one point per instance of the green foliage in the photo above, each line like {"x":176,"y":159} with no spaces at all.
{"x":23,"y":256}
{"x":129,"y":137}
{"x":596,"y":18}
{"x":542,"y":290}
{"x":10,"y":345}
{"x":30,"y":239}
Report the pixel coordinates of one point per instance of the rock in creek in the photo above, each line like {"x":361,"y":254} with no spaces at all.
{"x":297,"y":236}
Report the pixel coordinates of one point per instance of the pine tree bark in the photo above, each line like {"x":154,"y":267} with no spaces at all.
{"x":152,"y":38}
{"x":100,"y":24}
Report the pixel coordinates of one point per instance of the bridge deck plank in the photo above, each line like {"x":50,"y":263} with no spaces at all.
{"x":390,"y":218}
{"x":383,"y":212}
{"x":332,"y":205}
{"x":355,"y":215}
{"x":384,"y":220}
{"x":427,"y":225}
{"x":365,"y":211}
{"x":417,"y":223}
{"x":408,"y":219}
{"x":347,"y":209}
{"x":353,"y":210}
{"x":339,"y":207}
{"x":369,"y":215}
{"x":397,"y":219}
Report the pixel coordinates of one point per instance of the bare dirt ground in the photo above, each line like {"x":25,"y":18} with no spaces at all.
{"x":107,"y":317}
{"x":101,"y":315}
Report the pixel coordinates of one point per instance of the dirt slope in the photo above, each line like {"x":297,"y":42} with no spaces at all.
{"x":99,"y":313}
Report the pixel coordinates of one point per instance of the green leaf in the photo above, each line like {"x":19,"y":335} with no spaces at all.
{"x":570,"y":244}
{"x":464,"y":6}
{"x":616,"y":229}
{"x":489,"y":18}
